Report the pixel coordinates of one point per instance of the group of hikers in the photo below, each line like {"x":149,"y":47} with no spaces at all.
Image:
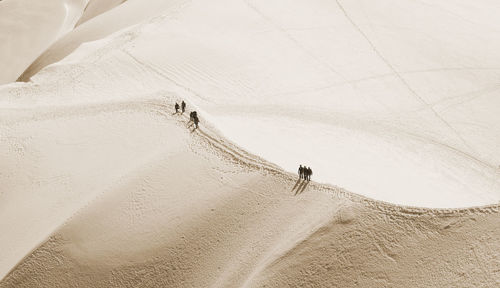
{"x":193,"y":116}
{"x":183,"y":107}
{"x":305,"y":172}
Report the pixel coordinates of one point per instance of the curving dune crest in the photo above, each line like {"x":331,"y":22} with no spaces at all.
{"x":108,"y":188}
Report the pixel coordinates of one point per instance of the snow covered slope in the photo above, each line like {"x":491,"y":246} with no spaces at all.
{"x":27,"y":28}
{"x":395,"y":100}
{"x":199,"y":212}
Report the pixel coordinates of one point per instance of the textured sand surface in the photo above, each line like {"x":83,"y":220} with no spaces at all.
{"x":101,"y":185}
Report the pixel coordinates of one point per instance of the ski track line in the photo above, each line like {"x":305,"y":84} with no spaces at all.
{"x":298,"y":44}
{"x":293,"y":40}
{"x":400,"y":77}
{"x":354,"y":124}
{"x":456,"y":15}
{"x":164,"y":75}
{"x":462,"y":98}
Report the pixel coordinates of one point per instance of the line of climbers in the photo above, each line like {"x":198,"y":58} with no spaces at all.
{"x":305,"y":172}
{"x":193,"y":116}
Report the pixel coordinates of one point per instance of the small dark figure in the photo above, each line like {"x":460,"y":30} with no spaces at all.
{"x":309,"y":173}
{"x":301,"y":172}
{"x":196,"y":120}
{"x":176,"y":107}
{"x":192,"y":115}
{"x":183,"y":106}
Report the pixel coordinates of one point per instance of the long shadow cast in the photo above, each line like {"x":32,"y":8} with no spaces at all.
{"x":296,"y":184}
{"x":302,"y":187}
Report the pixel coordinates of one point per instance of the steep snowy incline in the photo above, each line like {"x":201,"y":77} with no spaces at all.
{"x":395,"y":100}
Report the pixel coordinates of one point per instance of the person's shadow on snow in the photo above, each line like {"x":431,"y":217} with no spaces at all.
{"x":296,"y":184}
{"x":302,"y":184}
{"x":302,"y":188}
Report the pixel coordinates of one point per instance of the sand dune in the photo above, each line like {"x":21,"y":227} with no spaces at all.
{"x":103,"y":186}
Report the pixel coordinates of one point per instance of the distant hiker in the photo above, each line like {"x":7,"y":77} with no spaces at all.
{"x":301,"y":172}
{"x":192,"y":115}
{"x":196,"y":120}
{"x":176,"y":107}
{"x":183,"y":106}
{"x":309,"y":173}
